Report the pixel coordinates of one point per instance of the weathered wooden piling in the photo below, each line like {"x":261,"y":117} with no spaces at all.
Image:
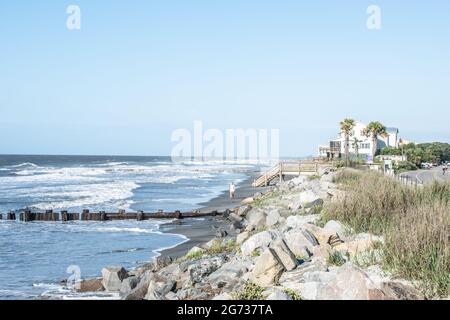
{"x":1,"y":216}
{"x":103,"y":216}
{"x":11,"y":215}
{"x":178,"y":215}
{"x":140,"y":216}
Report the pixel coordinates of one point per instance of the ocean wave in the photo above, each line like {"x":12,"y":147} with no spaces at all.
{"x":128,"y":230}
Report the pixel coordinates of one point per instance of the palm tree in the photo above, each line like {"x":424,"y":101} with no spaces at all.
{"x":347,"y":126}
{"x":374,"y":130}
{"x":355,"y":145}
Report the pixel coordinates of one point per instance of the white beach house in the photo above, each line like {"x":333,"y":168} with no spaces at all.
{"x":359,"y":143}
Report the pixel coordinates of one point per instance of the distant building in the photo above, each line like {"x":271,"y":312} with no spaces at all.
{"x":336,"y":147}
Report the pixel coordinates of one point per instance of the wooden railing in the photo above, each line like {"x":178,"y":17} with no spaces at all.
{"x":287,"y":168}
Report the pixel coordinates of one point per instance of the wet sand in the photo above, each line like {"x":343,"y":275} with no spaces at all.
{"x":201,"y":230}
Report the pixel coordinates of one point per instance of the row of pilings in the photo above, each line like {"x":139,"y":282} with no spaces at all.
{"x":86,"y":215}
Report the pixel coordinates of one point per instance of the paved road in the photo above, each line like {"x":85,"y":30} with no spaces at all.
{"x":427,"y":176}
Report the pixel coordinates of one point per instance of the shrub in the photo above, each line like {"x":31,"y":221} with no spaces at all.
{"x":404,"y":166}
{"x":336,"y":259}
{"x":413,"y":221}
{"x":250,"y":291}
{"x":293,"y":294}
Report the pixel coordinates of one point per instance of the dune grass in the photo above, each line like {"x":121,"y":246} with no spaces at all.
{"x":414,"y":223}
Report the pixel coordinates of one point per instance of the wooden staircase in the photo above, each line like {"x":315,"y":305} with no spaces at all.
{"x":286,"y":168}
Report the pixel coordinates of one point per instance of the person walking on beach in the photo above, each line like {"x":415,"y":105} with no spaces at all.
{"x":444,"y":169}
{"x":232,"y":190}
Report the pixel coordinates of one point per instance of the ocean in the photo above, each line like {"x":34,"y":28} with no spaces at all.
{"x":35,"y":257}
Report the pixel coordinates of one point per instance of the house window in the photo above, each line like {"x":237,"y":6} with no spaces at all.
{"x":365,"y":146}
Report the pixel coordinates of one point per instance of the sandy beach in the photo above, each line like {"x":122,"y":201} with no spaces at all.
{"x":201,"y":230}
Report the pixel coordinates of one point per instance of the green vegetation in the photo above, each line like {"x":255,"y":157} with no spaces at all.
{"x":374,"y":130}
{"x":404,"y":166}
{"x":435,"y":152}
{"x":250,"y":291}
{"x":413,"y":221}
{"x":336,"y":259}
{"x":293,"y":294}
{"x":266,"y":199}
{"x":314,"y":177}
{"x":194,"y":255}
{"x":347,"y":126}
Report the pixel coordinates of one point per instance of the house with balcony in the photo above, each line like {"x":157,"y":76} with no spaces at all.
{"x":359,"y":145}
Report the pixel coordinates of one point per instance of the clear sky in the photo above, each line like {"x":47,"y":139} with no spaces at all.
{"x":137,"y":70}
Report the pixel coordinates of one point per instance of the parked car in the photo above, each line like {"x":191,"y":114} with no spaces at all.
{"x":426,"y":165}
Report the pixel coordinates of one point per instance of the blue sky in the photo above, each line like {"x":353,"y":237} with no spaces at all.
{"x":137,"y":70}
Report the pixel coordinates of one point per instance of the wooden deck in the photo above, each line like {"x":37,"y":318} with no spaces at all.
{"x":288,"y":168}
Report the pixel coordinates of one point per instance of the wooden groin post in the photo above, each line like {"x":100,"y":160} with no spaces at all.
{"x":84,"y":215}
{"x":64,"y":216}
{"x":140,"y":216}
{"x":27,"y":216}
{"x":178,"y":215}
{"x":11,"y":215}
{"x":102,"y":216}
{"x":1,"y":216}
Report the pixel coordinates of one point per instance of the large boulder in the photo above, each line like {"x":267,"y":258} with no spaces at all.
{"x":204,"y":267}
{"x":273,"y":218}
{"x":113,"y":277}
{"x":350,"y":283}
{"x":284,"y":254}
{"x":228,"y":274}
{"x":158,"y":288}
{"x":334,"y":227}
{"x":240,"y":239}
{"x":276,"y":294}
{"x":301,"y":242}
{"x":139,"y":292}
{"x":243,"y":210}
{"x":303,"y":198}
{"x":292,"y":278}
{"x":298,"y":221}
{"x":256,"y":219}
{"x":268,"y":269}
{"x":257,"y":241}
{"x":128,"y":285}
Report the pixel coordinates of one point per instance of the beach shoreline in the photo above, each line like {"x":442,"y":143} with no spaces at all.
{"x":201,"y":230}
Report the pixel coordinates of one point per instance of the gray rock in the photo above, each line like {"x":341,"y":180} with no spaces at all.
{"x":268,"y":269}
{"x":350,"y":283}
{"x":276,"y":294}
{"x":285,"y":255}
{"x":229,"y":274}
{"x":257,"y":241}
{"x":318,"y":276}
{"x":158,"y":288}
{"x":273,"y":218}
{"x":334,"y":227}
{"x":297,"y":221}
{"x":204,"y":267}
{"x":139,"y":292}
{"x":223,"y":297}
{"x":221,"y":233}
{"x":242,"y":237}
{"x":113,"y":277}
{"x":303,"y":198}
{"x":256,"y":218}
{"x":128,"y":285}
{"x":297,"y":275}
{"x":243,"y":210}
{"x":300,"y":242}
